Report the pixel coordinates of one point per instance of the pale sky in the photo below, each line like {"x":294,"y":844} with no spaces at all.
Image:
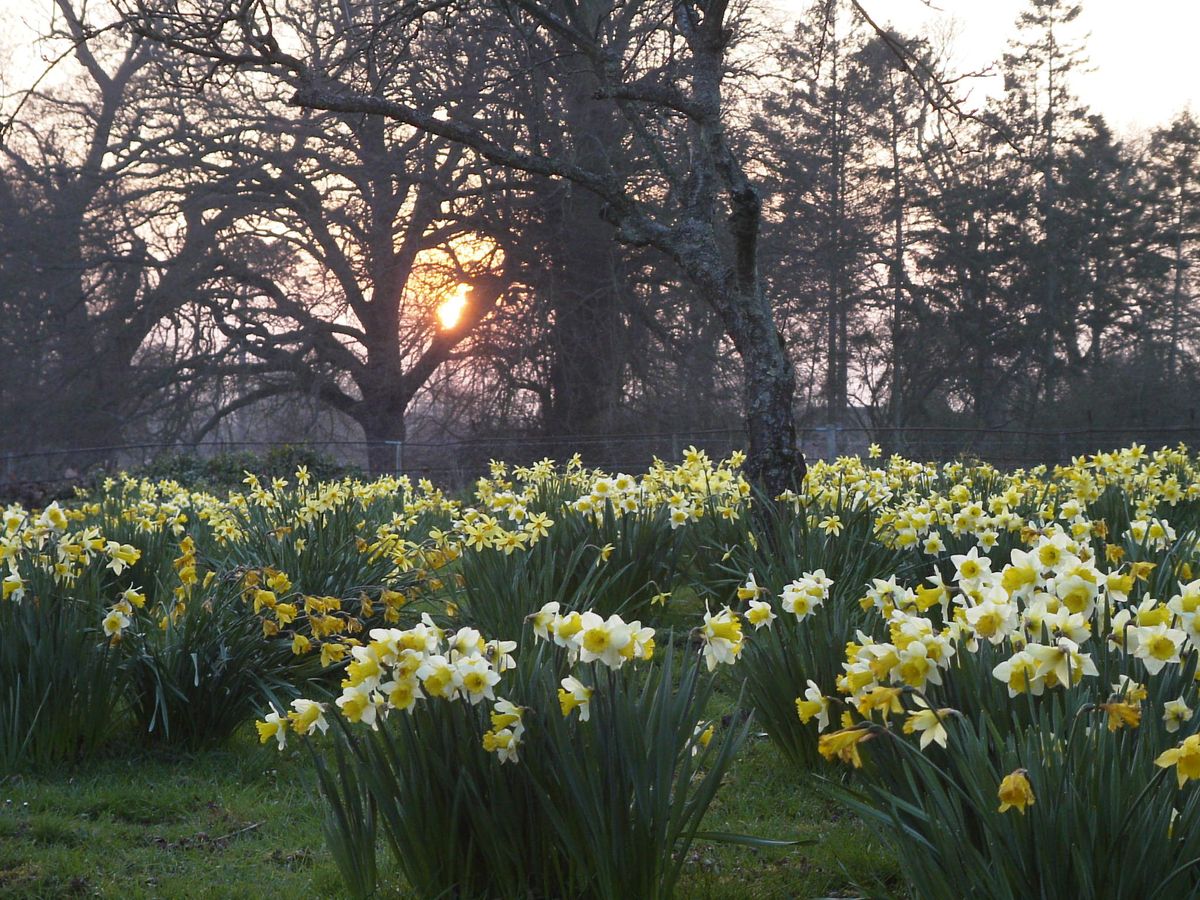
{"x":1144,"y":53}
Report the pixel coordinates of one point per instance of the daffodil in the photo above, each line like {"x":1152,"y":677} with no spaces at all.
{"x":929,"y":723}
{"x":722,"y":636}
{"x":994,"y":618}
{"x":884,"y":699}
{"x":843,"y":745}
{"x":273,"y":725}
{"x":1016,"y":792}
{"x":121,"y":556}
{"x":573,"y":695}
{"x":760,"y":614}
{"x":477,"y":678}
{"x":115,"y":622}
{"x":602,"y":640}
{"x":702,"y":736}
{"x":970,"y":567}
{"x":134,"y":597}
{"x":1061,"y":664}
{"x":12,"y":587}
{"x":565,"y":628}
{"x":360,"y":703}
{"x":1019,"y":673}
{"x":307,"y":715}
{"x":802,"y":596}
{"x":813,"y":705}
{"x":1158,"y":645}
{"x":831,"y":525}
{"x":1175,"y":713}
{"x":504,"y":743}
{"x":1121,"y":713}
{"x":506,"y":714}
{"x":750,"y":590}
{"x":1185,"y":758}
{"x":439,"y":677}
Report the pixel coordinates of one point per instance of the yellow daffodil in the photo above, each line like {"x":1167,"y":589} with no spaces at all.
{"x":1016,"y":792}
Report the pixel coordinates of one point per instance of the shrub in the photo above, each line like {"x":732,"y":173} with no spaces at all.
{"x":1105,"y":821}
{"x":59,"y":683}
{"x":602,"y":808}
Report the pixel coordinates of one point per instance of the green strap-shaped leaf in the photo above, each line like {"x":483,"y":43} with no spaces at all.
{"x":749,"y":840}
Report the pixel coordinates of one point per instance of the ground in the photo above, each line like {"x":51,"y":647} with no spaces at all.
{"x":246,"y":822}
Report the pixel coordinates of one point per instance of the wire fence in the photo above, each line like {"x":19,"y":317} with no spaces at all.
{"x":453,"y":463}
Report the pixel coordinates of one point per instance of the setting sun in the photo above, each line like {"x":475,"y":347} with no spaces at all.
{"x":450,"y":310}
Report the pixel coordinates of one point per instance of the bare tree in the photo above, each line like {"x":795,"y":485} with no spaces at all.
{"x":691,"y":196}
{"x":102,"y":247}
{"x":381,"y":224}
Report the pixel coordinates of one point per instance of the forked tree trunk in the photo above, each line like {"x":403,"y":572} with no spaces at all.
{"x":720,"y":251}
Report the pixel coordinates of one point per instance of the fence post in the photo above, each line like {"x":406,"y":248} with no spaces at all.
{"x":398,"y":463}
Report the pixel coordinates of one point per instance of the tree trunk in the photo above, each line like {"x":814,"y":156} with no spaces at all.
{"x":384,"y":432}
{"x":1178,"y":263}
{"x":897,"y":270}
{"x":587,"y":367}
{"x":770,"y":386}
{"x":722,"y":258}
{"x":768,"y":390}
{"x":588,"y":335}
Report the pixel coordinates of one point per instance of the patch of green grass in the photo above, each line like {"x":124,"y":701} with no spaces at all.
{"x":765,"y":797}
{"x":246,"y":822}
{"x":238,"y":822}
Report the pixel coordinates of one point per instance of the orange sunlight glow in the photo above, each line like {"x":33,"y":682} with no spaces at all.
{"x":450,"y":310}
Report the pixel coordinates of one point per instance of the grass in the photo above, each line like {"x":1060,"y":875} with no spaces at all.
{"x":245,"y":821}
{"x":222,"y":823}
{"x":765,"y":797}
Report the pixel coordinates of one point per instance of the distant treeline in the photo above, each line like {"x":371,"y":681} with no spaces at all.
{"x":192,"y":245}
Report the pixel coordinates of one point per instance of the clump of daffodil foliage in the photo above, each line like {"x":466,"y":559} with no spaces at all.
{"x":579,"y":763}
{"x":1023,"y":678}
